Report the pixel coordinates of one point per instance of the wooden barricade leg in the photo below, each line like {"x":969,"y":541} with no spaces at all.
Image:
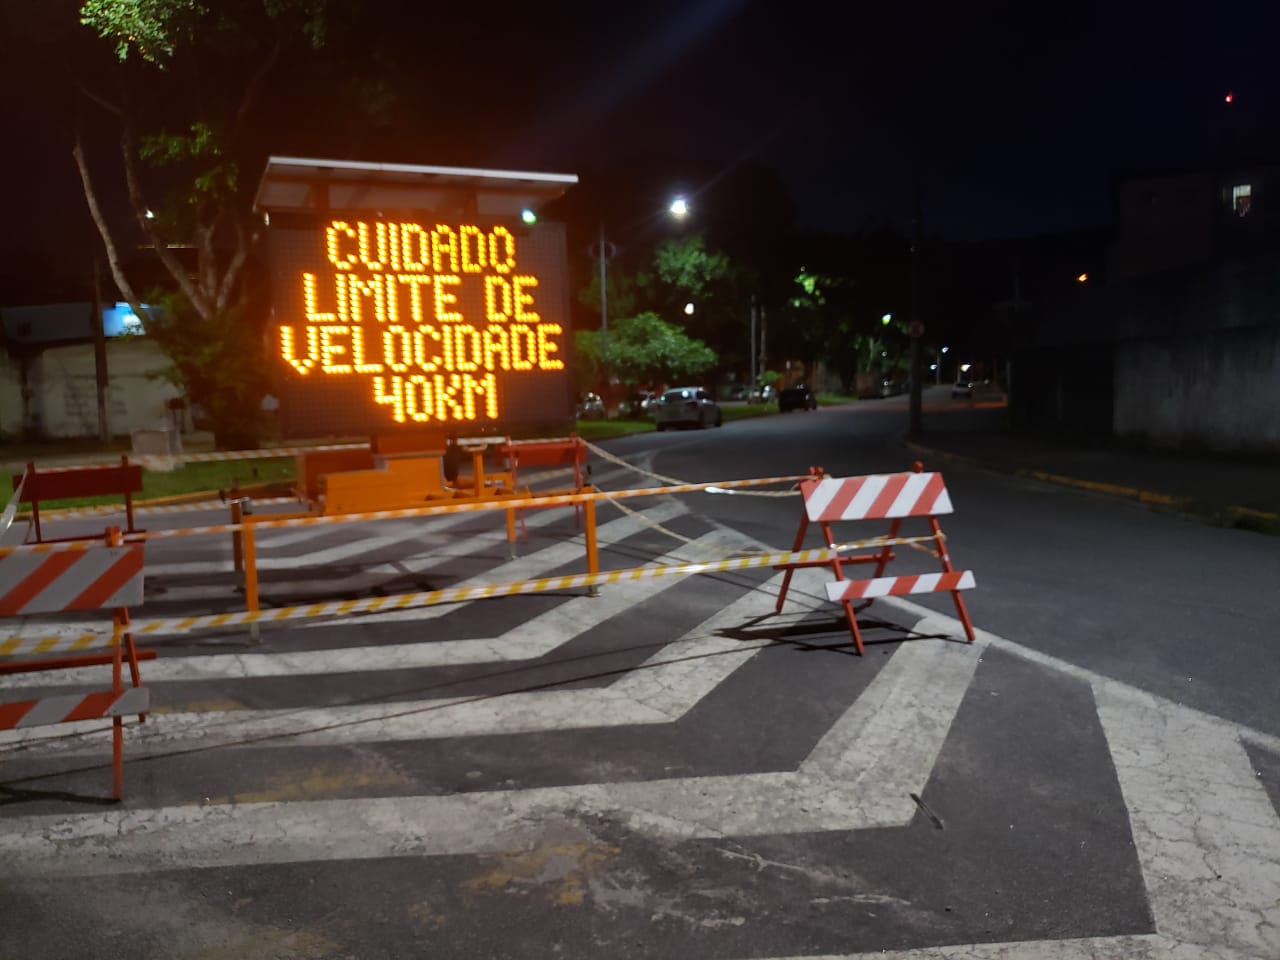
{"x":237,"y":538}
{"x":886,"y":554}
{"x":961,"y":609}
{"x":795,"y":548}
{"x":117,"y":729}
{"x":128,"y":500}
{"x":131,"y":651}
{"x":250,"y":569}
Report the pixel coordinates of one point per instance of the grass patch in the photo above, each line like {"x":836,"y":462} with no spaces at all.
{"x":220,"y":475}
{"x":749,"y":411}
{"x":834,"y":399}
{"x":192,"y":478}
{"x":606,"y":429}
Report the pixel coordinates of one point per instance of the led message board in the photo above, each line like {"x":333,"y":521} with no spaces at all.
{"x":389,"y":324}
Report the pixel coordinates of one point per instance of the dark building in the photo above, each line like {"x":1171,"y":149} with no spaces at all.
{"x":1180,"y":347}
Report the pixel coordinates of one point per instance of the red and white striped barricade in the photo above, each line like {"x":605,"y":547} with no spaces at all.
{"x":98,"y":578}
{"x":893,"y":497}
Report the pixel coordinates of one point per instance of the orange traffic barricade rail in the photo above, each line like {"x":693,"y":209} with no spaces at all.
{"x":39,"y":486}
{"x":893,"y":497}
{"x":106,"y":579}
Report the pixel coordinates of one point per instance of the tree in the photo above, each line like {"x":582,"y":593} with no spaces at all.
{"x":182,"y":162}
{"x":646,"y":349}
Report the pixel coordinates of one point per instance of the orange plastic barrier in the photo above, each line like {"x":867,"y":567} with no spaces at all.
{"x":107,"y":579}
{"x":45,"y":485}
{"x":893,"y":497}
{"x":568,"y":451}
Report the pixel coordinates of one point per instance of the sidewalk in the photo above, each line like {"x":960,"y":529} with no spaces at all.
{"x":1221,"y":491}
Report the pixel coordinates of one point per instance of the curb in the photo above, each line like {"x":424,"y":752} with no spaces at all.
{"x":1186,"y":506}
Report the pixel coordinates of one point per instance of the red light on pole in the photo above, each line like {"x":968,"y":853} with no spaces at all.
{"x":1230,"y":98}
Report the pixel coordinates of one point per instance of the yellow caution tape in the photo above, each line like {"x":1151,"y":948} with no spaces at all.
{"x":469,"y":506}
{"x":404,"y":601}
{"x":64,"y":644}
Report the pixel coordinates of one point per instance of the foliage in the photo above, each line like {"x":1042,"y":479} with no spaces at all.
{"x":645,"y":349}
{"x":187,"y":80}
{"x":629,"y":292}
{"x":682,"y":270}
{"x":218,"y":362}
{"x":152,"y":28}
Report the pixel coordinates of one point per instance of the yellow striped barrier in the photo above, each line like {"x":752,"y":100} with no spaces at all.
{"x":404,"y":601}
{"x":474,"y":506}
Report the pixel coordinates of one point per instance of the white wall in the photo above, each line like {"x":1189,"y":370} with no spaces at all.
{"x":1218,"y":391}
{"x":10,"y":396}
{"x":64,"y":390}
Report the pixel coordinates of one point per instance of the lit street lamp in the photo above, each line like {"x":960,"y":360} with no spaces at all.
{"x":604,"y":251}
{"x":938,"y":366}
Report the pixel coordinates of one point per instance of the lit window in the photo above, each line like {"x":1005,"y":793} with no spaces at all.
{"x":1241,"y":197}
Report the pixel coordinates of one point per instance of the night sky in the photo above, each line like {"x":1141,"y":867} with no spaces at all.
{"x":1013,"y":116}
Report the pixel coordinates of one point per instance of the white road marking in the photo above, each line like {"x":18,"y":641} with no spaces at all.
{"x":660,"y":690}
{"x":1207,"y":835}
{"x":1149,"y":947}
{"x":532,"y":639}
{"x":855,"y":779}
{"x":415,"y":541}
{"x":533,"y":565}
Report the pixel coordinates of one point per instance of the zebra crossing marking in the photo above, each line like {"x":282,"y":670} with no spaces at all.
{"x":852,"y":780}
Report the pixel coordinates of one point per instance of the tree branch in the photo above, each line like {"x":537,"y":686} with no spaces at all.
{"x":171,"y":263}
{"x":238,"y":259}
{"x":254,"y":87}
{"x":113,"y":256}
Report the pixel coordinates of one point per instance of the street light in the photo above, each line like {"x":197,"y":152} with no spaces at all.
{"x":688,"y":309}
{"x":938,"y":366}
{"x":678,"y":208}
{"x":886,"y":319}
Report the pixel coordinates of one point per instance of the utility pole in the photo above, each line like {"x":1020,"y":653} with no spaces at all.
{"x":914,"y":426}
{"x":604,"y":309}
{"x":751,"y":384}
{"x":100,"y":356}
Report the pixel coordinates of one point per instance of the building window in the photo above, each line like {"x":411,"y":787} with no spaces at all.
{"x":1241,"y":197}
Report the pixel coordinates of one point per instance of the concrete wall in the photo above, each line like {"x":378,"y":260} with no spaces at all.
{"x":10,"y":396}
{"x":1217,"y":391}
{"x":63,"y":390}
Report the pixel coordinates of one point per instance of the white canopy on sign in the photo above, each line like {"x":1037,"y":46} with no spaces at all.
{"x":300,"y":185}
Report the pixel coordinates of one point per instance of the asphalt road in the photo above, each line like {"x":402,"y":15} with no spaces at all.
{"x":669,"y":769}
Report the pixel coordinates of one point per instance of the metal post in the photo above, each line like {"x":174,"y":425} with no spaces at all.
{"x":604,"y":309}
{"x":751,"y":385}
{"x":914,"y":426}
{"x":593,"y":555}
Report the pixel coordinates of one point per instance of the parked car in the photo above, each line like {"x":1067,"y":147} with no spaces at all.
{"x":962,"y":388}
{"x":641,"y":404}
{"x":736,"y":392}
{"x":796,"y":397}
{"x":590,"y":407}
{"x":889,"y":387}
{"x":687,"y":407}
{"x":762,"y":394}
